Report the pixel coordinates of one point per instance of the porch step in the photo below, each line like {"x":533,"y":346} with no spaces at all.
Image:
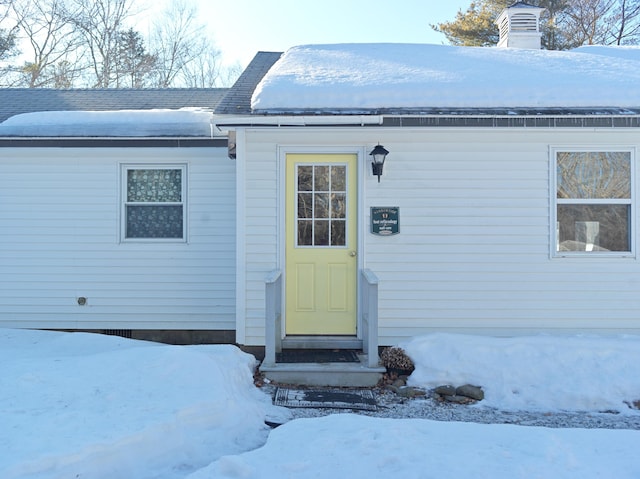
{"x":325,"y":374}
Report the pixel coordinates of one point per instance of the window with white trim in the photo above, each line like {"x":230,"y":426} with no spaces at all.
{"x":153,"y":202}
{"x":593,"y":201}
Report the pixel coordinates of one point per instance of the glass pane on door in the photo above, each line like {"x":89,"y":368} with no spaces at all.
{"x":321,"y":205}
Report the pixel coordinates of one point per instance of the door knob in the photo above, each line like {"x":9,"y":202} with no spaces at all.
{"x":352,"y":253}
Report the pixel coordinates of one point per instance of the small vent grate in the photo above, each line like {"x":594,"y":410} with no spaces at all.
{"x":523,"y":22}
{"x":123,"y":333}
{"x":504,"y":27}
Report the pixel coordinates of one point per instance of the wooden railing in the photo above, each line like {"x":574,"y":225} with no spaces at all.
{"x":273,"y":311}
{"x":369,"y":308}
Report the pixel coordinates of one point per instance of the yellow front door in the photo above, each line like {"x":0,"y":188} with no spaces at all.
{"x":321,"y":229}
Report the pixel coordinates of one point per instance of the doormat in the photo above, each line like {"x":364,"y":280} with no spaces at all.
{"x":362,"y":399}
{"x":317,"y":356}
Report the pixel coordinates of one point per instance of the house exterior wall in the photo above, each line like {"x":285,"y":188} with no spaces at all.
{"x":60,"y":211}
{"x":474,"y":251}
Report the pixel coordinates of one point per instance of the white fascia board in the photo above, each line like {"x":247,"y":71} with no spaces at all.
{"x":229,"y":122}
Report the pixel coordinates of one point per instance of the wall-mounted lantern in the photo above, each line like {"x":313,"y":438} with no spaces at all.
{"x":379,"y":153}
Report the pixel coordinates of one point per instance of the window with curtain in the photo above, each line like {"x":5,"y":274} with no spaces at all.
{"x":154,"y":202}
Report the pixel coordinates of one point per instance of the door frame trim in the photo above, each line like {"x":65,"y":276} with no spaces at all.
{"x":283,"y":151}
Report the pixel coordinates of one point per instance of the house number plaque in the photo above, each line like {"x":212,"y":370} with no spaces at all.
{"x":385,"y":220}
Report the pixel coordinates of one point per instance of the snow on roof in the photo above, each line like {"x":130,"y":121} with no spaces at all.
{"x":123,"y":123}
{"x":625,"y":52}
{"x":365,"y":77}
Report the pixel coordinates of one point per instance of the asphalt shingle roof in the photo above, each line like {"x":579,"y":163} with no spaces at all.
{"x":238,"y":100}
{"x":14,"y":101}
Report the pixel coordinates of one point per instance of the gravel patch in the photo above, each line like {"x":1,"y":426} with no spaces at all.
{"x":390,"y":405}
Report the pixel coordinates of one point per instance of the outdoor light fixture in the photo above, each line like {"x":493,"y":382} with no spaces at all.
{"x":379,"y":153}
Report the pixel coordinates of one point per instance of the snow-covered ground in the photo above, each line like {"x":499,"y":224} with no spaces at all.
{"x":75,"y":405}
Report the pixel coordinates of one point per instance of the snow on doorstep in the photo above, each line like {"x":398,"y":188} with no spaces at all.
{"x":122,"y":123}
{"x":361,"y":77}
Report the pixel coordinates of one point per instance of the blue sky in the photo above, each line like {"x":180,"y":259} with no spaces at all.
{"x":241,"y":28}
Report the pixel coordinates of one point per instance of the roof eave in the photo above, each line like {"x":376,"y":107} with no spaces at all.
{"x":594,"y":117}
{"x":522,"y":111}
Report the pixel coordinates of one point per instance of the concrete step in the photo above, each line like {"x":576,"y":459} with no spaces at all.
{"x":325,"y":374}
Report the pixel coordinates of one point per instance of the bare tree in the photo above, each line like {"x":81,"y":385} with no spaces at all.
{"x":602,"y":22}
{"x":51,"y":40}
{"x":230,"y":74}
{"x":71,"y":43}
{"x":100,"y":22}
{"x":178,"y":40}
{"x":8,"y":31}
{"x":204,"y":71}
{"x":624,"y":24}
{"x":582,"y":20}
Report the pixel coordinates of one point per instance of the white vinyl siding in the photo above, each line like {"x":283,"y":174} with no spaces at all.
{"x":258,"y":237}
{"x":60,"y":213}
{"x":473,"y":253}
